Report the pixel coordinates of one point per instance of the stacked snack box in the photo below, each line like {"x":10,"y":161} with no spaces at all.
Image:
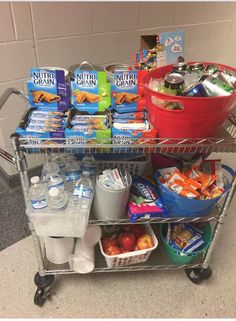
{"x":49,"y":102}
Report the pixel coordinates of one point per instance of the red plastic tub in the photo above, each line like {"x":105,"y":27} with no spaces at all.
{"x":200,"y":117}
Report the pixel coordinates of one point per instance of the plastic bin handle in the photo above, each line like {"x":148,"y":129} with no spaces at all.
{"x":86,"y":63}
{"x":161,"y":102}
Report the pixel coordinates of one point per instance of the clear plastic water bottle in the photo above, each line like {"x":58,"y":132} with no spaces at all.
{"x":37,"y":194}
{"x":88,"y":164}
{"x":55,"y":180}
{"x":57,"y":199}
{"x":72,"y":170}
{"x":82,"y":193}
{"x":48,"y":168}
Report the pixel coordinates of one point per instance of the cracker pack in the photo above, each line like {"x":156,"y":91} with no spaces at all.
{"x":127,"y":91}
{"x":90,"y":91}
{"x":48,"y":90}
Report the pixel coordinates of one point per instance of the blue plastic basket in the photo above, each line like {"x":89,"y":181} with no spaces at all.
{"x":182,"y":206}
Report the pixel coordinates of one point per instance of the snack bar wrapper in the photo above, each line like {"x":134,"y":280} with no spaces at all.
{"x":139,"y":115}
{"x":48,"y":90}
{"x":184,"y":237}
{"x":90,"y":91}
{"x":144,"y":201}
{"x":127,"y":91}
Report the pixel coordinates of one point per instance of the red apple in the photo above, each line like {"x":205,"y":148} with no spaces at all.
{"x":113,"y":250}
{"x":127,"y":241}
{"x":138,"y":230}
{"x":126,"y":228}
{"x":108,"y":241}
{"x":145,"y":242}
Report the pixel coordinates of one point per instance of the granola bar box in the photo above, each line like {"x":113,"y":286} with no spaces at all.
{"x":90,"y":91}
{"x":48,"y":90}
{"x":127,"y":91}
{"x":85,"y":132}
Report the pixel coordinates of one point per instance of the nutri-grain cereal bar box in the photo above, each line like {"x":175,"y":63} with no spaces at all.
{"x":48,"y":90}
{"x":90,"y":91}
{"x":127,"y":91}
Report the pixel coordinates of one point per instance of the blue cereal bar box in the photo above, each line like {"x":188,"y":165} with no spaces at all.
{"x":48,"y":90}
{"x":126,"y":93}
{"x":90,"y":91}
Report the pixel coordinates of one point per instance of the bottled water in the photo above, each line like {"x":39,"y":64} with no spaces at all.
{"x":51,"y":175}
{"x":72,"y":170}
{"x":62,"y":160}
{"x":57,"y":199}
{"x":37,"y":194}
{"x":82,"y":193}
{"x":55,"y":180}
{"x":48,"y":168}
{"x":88,"y":164}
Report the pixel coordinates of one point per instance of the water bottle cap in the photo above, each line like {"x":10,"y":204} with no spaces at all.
{"x":35,"y":180}
{"x":53,"y":191}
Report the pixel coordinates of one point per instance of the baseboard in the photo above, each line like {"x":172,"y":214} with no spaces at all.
{"x":14,"y":180}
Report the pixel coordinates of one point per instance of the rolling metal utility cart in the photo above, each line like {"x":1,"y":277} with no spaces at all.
{"x":198,"y":271}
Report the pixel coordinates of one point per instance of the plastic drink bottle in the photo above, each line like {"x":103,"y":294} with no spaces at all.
{"x":57,"y":199}
{"x":82,"y":191}
{"x":88,"y":164}
{"x":49,"y":167}
{"x":37,"y":194}
{"x":72,"y":170}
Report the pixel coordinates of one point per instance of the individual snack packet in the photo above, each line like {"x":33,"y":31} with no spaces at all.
{"x":144,"y":200}
{"x":139,"y":115}
{"x":184,"y":237}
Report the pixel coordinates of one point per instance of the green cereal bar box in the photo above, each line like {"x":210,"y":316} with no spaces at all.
{"x":90,"y":91}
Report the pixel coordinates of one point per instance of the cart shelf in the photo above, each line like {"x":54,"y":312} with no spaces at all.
{"x":157,"y":261}
{"x":224,"y":142}
{"x":214,"y":215}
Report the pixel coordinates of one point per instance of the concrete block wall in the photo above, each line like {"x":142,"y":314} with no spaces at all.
{"x":65,"y":33}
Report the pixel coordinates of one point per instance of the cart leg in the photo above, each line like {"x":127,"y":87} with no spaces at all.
{"x":43,"y":284}
{"x":197,"y":275}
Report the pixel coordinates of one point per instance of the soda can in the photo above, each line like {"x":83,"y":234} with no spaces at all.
{"x":180,"y":67}
{"x":218,"y":79}
{"x":174,"y":80}
{"x":197,"y":90}
{"x":221,"y":75}
{"x":214,"y":90}
{"x":210,"y":69}
{"x":174,"y":83}
{"x":197,"y":67}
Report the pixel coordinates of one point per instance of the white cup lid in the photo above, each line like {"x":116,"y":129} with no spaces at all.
{"x":53,"y":191}
{"x":35,"y":180}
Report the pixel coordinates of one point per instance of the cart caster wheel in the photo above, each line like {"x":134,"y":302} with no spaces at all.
{"x":198,"y":275}
{"x":206,"y":273}
{"x":39,"y":297}
{"x":43,"y":282}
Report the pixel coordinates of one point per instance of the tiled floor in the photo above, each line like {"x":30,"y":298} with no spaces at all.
{"x":114,"y":295}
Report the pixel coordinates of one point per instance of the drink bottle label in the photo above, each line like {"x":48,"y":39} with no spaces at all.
{"x":39,"y":204}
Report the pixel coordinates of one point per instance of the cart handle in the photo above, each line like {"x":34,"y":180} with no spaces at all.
{"x":8,"y":92}
{"x":3,"y":98}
